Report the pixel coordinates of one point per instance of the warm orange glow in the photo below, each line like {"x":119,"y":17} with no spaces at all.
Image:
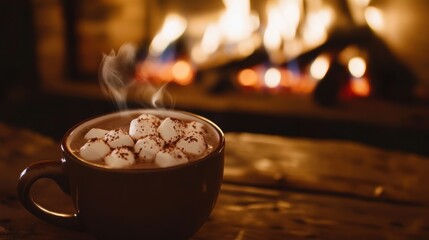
{"x":360,"y":87}
{"x":288,"y":78}
{"x":182,"y":72}
{"x":164,"y":72}
{"x":247,"y":78}
{"x":153,"y":72}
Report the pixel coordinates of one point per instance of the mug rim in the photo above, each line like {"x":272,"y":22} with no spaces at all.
{"x":67,"y":153}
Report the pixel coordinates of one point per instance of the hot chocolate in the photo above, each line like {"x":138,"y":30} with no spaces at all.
{"x":133,"y":192}
{"x":143,"y":139}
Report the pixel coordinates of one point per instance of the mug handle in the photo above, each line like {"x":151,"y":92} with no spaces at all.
{"x":52,"y":170}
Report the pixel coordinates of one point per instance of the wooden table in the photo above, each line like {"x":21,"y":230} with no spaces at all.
{"x":274,"y":188}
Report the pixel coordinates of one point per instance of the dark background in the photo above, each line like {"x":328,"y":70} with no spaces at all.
{"x":25,"y":104}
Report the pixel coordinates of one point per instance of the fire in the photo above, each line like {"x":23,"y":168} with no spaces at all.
{"x":292,"y":27}
{"x":316,"y":26}
{"x":282,"y":23}
{"x":283,"y":18}
{"x":272,"y":35}
{"x":211,"y":39}
{"x":210,"y":43}
{"x":261,"y":78}
{"x":374,"y":17}
{"x":291,"y":10}
{"x":174,"y":26}
{"x":320,"y":67}
{"x":231,"y":35}
{"x":237,"y":22}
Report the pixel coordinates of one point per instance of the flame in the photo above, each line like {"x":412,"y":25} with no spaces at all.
{"x":174,"y":26}
{"x":211,"y":39}
{"x":283,"y":20}
{"x":362,"y":2}
{"x":237,"y":23}
{"x":316,"y":26}
{"x":272,"y":35}
{"x":357,"y":67}
{"x":319,"y":67}
{"x":210,"y":43}
{"x":374,"y":18}
{"x":291,"y":10}
{"x":232,"y":34}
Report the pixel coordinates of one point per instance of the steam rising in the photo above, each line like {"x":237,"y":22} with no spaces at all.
{"x":117,"y":79}
{"x":117,"y":74}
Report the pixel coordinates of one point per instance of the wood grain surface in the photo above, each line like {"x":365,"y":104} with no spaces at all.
{"x":274,"y":188}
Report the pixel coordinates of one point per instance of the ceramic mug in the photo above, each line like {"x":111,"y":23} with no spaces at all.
{"x":157,"y":203}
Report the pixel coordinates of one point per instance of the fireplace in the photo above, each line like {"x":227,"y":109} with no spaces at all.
{"x":355,"y":62}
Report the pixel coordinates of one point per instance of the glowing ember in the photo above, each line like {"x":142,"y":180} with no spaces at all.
{"x":357,"y":67}
{"x":272,"y":78}
{"x":248,"y":78}
{"x":261,"y":78}
{"x":288,"y":78}
{"x":360,"y":87}
{"x":182,"y":72}
{"x":319,"y":67}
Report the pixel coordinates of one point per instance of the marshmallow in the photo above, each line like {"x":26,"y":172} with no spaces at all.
{"x":142,"y":127}
{"x":170,"y":157}
{"x":95,"y":133}
{"x":94,"y":150}
{"x":192,"y":143}
{"x":153,"y":118}
{"x":194,"y":127}
{"x":147,"y":147}
{"x":171,"y":130}
{"x":120,"y":158}
{"x":118,"y":138}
